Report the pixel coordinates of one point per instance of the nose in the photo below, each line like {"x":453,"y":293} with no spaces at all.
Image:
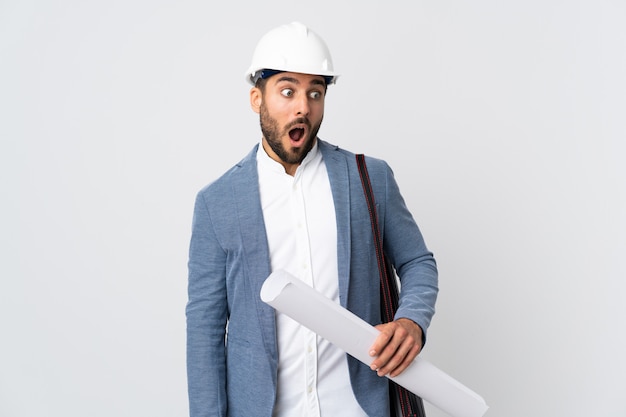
{"x":302,"y":105}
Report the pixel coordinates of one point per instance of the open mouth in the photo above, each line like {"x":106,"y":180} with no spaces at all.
{"x":296,"y":134}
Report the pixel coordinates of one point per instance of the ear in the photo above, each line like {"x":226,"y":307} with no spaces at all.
{"x":256,"y":98}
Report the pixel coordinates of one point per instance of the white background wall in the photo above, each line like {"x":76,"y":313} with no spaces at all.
{"x":504,"y":123}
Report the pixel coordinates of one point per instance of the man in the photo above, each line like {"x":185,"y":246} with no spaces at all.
{"x":296,"y":203}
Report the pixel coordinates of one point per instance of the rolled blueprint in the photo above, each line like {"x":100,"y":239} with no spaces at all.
{"x":313,"y":310}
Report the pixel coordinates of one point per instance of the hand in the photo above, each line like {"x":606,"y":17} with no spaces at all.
{"x":399,"y":342}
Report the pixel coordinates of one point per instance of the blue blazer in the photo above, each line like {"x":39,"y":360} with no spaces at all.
{"x":231,"y":334}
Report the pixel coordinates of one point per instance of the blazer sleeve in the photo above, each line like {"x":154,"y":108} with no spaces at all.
{"x":207,"y":314}
{"x":414,"y":263}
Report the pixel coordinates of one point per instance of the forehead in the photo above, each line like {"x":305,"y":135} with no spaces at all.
{"x":298,"y":79}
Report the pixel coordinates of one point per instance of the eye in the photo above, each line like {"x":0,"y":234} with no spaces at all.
{"x":287,"y":92}
{"x":315,"y":95}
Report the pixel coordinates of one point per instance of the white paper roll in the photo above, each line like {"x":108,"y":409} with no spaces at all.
{"x":292,"y":297}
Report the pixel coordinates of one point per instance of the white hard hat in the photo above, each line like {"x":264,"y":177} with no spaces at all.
{"x":292,"y":48}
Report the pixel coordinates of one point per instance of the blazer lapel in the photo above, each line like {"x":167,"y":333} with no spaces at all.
{"x":338,"y":174}
{"x":254,"y":244}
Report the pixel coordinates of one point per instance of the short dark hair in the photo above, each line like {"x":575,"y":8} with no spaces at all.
{"x":260,"y":84}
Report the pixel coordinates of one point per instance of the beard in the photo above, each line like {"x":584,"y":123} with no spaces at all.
{"x":273,"y":134}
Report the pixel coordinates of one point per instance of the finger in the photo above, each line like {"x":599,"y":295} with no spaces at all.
{"x":382,"y":362}
{"x":408,"y":359}
{"x":386,"y":333}
{"x":395,"y":356}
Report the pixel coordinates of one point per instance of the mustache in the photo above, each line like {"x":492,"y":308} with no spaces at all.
{"x":298,"y":121}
